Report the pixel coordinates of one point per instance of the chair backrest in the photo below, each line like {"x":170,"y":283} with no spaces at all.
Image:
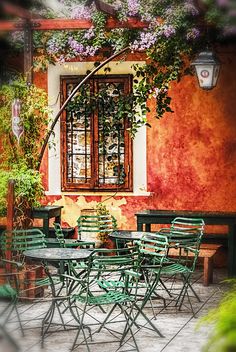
{"x":95,"y":227}
{"x":186,"y":235}
{"x":153,"y":248}
{"x":59,"y":234}
{"x":18,"y":241}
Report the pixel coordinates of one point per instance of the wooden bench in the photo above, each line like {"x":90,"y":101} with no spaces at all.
{"x":207,"y":253}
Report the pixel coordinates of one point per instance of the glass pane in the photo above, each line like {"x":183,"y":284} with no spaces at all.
{"x":78,"y":136}
{"x":111,"y":134}
{"x":79,"y":168}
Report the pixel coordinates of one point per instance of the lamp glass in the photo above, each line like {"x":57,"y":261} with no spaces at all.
{"x":207,"y":68}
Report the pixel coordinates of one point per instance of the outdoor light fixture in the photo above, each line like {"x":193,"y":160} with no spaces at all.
{"x":207,"y":68}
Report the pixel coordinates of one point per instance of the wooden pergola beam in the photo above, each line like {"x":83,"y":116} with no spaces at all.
{"x":17,"y":11}
{"x":70,"y":24}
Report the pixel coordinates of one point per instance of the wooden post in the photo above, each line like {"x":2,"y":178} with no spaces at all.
{"x":10,"y":214}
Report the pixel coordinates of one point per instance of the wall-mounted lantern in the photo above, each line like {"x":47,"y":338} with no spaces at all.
{"x":207,"y":68}
{"x":17,"y":127}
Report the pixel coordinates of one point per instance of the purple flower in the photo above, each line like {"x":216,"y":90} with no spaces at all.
{"x":223,"y":3}
{"x":89,"y":34}
{"x":61,"y":59}
{"x":191,"y":8}
{"x":77,"y":47}
{"x":80,"y":49}
{"x":52,"y":47}
{"x":146,"y":40}
{"x":90,"y":50}
{"x":81,"y":11}
{"x":168,"y":30}
{"x":193,"y":33}
{"x":133,"y":7}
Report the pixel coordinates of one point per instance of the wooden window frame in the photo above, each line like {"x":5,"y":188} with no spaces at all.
{"x":128,"y":158}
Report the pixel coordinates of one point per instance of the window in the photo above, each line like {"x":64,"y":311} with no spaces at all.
{"x":96,"y":146}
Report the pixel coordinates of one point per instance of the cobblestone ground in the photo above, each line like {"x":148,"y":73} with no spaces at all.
{"x":178,"y":327}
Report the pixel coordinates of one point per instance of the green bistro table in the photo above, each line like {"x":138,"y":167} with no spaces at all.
{"x":147,"y":217}
{"x":46,"y":213}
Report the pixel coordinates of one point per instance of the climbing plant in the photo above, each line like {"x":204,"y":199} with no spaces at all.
{"x":173,"y":31}
{"x":19,"y":157}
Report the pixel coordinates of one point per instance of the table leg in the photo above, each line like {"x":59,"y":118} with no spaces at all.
{"x":58,"y":219}
{"x":46,"y":227}
{"x":232,"y":250}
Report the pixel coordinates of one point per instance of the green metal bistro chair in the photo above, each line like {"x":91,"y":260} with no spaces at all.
{"x":85,"y":295}
{"x":16,"y":242}
{"x":70,"y":243}
{"x":185,"y":236}
{"x":9,"y":295}
{"x":150,"y":250}
{"x":152,"y":256}
{"x":96,"y":226}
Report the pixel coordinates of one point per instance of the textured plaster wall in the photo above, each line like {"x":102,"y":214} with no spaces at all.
{"x":191,"y":154}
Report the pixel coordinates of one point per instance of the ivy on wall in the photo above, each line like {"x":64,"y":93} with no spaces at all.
{"x":19,"y":159}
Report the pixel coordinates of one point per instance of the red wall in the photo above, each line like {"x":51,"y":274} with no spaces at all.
{"x":191,"y":153}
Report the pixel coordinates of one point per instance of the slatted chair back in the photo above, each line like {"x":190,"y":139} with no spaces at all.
{"x":95,"y":227}
{"x":70,"y":243}
{"x":18,"y":241}
{"x":59,"y":234}
{"x":185,"y":236}
{"x":153,"y":248}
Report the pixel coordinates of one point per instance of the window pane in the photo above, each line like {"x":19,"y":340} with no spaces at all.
{"x":79,"y":168}
{"x":78,"y":131}
{"x":111,"y":134}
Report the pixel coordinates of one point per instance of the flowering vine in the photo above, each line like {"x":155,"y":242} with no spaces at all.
{"x":172,"y":34}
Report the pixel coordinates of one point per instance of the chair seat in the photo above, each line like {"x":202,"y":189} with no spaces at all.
{"x":110,"y":297}
{"x":175,"y":268}
{"x":7,"y":291}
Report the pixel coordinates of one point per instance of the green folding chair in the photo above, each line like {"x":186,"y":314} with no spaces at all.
{"x":9,"y":295}
{"x":85,"y":295}
{"x":70,"y":243}
{"x":184,"y":235}
{"x":98,"y":226}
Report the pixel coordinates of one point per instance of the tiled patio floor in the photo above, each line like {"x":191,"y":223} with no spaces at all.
{"x":178,"y":327}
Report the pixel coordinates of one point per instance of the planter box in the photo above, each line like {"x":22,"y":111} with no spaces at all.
{"x":27,"y":281}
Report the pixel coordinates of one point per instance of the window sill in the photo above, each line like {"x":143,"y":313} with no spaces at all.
{"x":92,"y":194}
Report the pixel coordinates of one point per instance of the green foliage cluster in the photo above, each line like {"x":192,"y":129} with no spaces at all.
{"x":223,"y":320}
{"x":34,"y":114}
{"x":173,"y":34}
{"x":28,"y":188}
{"x":19,"y":160}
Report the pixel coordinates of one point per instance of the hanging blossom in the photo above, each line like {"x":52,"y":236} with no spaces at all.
{"x":82,"y":12}
{"x":89,"y":34}
{"x":156,"y":91}
{"x":133,"y":7}
{"x":146,"y":40}
{"x":193,"y":33}
{"x":168,"y":30}
{"x":191,"y":8}
{"x":80,"y":49}
{"x":77,"y":47}
{"x":52,"y":47}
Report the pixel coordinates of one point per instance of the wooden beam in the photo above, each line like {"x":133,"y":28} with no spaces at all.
{"x":70,"y":24}
{"x":10,"y":212}
{"x":17,"y":11}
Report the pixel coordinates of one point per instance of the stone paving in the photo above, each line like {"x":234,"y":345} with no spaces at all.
{"x":178,"y":327}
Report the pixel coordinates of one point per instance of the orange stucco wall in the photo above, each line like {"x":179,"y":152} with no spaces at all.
{"x":191,"y":156}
